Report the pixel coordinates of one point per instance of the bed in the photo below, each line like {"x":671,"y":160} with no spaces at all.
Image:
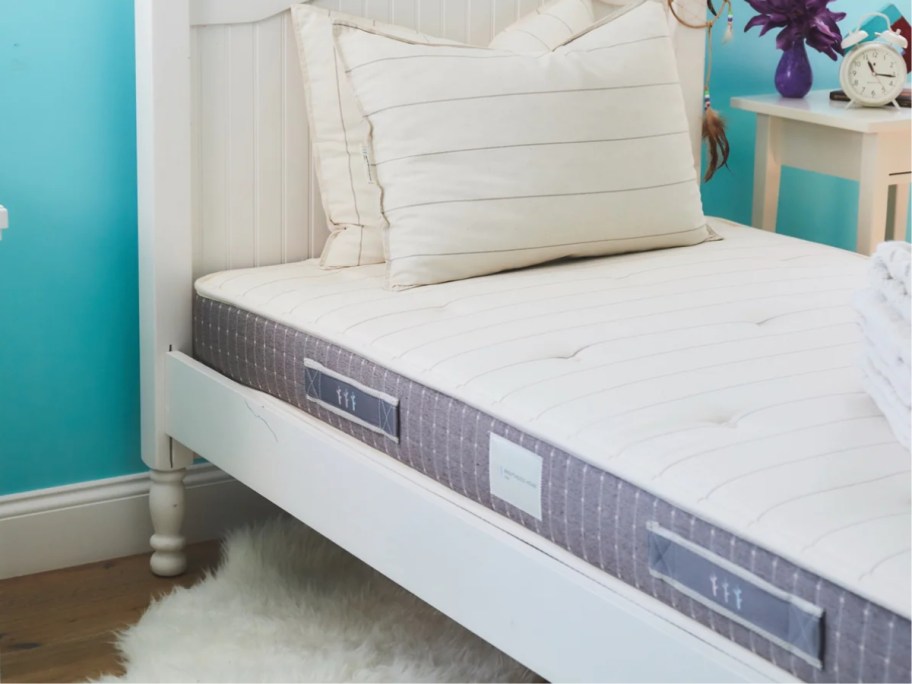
{"x":587,"y":463}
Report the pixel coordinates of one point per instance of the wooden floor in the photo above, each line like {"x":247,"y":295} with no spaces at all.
{"x":58,"y":626}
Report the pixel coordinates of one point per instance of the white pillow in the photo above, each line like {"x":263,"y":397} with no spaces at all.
{"x":512,"y":160}
{"x":546,"y":28}
{"x":340,"y":134}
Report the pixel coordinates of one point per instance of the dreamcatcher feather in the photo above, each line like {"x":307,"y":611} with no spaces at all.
{"x":714,"y":133}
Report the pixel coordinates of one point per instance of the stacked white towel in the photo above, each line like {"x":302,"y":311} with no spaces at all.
{"x":885,"y":308}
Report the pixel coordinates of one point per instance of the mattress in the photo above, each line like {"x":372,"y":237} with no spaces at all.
{"x":689,"y":420}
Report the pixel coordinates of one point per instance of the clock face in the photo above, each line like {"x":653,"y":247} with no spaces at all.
{"x":873,"y":75}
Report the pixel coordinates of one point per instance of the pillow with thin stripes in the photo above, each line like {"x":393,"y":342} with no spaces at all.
{"x":545,"y":28}
{"x":513,"y":160}
{"x":340,"y":134}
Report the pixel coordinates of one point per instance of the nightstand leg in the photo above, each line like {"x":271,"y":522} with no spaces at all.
{"x":899,"y":214}
{"x":872,"y":197}
{"x":767,"y":173}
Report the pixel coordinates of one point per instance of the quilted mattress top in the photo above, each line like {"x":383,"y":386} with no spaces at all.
{"x":720,"y":377}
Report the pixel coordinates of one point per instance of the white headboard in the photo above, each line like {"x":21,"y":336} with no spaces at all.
{"x":225,"y":172}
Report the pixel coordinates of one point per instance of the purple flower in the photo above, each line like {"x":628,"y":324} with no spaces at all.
{"x":808,"y":20}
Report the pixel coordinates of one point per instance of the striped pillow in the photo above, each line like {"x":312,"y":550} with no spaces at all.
{"x":546,"y":28}
{"x":340,"y":134}
{"x":512,"y":160}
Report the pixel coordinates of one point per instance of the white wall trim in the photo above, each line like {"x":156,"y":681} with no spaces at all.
{"x":59,"y":527}
{"x":96,"y":491}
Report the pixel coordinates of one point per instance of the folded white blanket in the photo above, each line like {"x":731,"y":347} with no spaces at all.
{"x":885,"y":310}
{"x":890,"y":272}
{"x":884,"y":326}
{"x":898,"y":416}
{"x":894,"y":370}
{"x":897,"y":257}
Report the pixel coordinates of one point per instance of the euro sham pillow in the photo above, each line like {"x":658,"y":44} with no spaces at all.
{"x":513,"y":160}
{"x":340,"y":134}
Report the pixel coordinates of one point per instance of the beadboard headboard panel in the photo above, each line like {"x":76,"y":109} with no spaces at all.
{"x":225,"y":173}
{"x":255,"y":197}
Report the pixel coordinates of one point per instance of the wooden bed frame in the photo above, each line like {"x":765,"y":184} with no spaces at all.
{"x":226,"y":181}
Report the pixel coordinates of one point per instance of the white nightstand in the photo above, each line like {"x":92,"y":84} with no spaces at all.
{"x":872,"y":146}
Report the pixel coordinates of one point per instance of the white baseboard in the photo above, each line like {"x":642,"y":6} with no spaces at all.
{"x":60,"y":527}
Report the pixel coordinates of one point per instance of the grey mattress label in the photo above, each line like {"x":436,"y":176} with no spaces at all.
{"x":350,"y":399}
{"x":732,"y":591}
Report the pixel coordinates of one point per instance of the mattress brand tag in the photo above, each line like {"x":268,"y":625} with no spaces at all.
{"x":350,"y":399}
{"x":516,"y":475}
{"x":728,"y":589}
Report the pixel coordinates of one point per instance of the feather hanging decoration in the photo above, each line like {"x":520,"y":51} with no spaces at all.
{"x":729,"y":28}
{"x":713,"y":133}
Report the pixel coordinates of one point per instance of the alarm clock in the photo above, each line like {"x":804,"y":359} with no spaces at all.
{"x":873,"y":73}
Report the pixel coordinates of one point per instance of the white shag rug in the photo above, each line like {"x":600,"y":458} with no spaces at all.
{"x":287,"y":605}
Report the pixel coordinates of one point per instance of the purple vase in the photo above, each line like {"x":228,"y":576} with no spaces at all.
{"x":793,"y":75}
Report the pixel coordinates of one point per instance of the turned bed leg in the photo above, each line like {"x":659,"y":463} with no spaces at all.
{"x":166,"y":503}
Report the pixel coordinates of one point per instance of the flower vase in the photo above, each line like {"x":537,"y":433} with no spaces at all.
{"x":793,"y":75}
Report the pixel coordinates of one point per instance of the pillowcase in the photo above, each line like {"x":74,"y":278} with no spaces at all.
{"x":340,"y":134}
{"x":546,"y":28}
{"x":513,"y":160}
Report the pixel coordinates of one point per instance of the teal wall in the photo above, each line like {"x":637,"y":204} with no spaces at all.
{"x":68,"y":317}
{"x":811,"y":206}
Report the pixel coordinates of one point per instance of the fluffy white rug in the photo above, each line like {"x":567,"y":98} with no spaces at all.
{"x":287,"y":605}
